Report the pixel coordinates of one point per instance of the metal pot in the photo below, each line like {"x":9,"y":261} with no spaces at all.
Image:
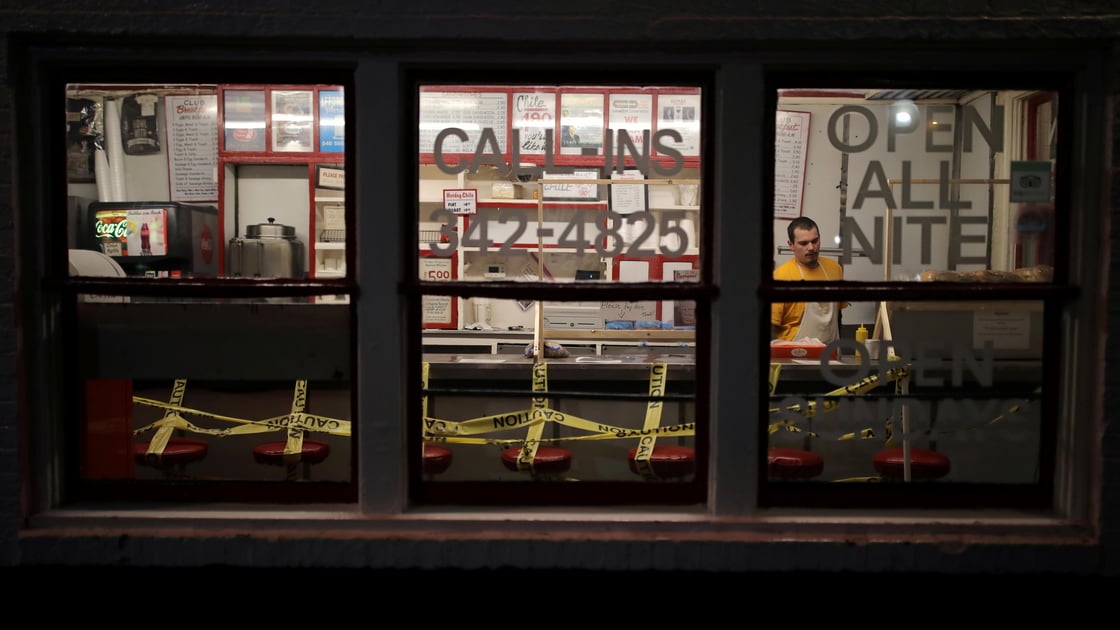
{"x":269,"y":250}
{"x":272,"y":229}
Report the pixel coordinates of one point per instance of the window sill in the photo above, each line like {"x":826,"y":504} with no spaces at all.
{"x":586,"y":524}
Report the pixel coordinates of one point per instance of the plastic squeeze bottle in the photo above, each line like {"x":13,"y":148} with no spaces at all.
{"x":861,"y":338}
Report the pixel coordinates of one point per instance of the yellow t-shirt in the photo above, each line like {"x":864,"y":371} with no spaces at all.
{"x":786,"y":317}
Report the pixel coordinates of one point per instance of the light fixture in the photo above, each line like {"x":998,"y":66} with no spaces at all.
{"x":904,"y":115}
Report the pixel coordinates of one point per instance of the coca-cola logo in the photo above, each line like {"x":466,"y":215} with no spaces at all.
{"x":206,"y":244}
{"x":116,"y":229}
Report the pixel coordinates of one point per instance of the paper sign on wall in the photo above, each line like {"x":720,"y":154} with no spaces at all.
{"x":1030,"y":181}
{"x":461,"y":200}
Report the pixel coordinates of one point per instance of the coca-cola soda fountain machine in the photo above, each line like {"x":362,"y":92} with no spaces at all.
{"x":154,"y":238}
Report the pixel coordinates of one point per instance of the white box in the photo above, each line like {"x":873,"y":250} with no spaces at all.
{"x":577,"y":317}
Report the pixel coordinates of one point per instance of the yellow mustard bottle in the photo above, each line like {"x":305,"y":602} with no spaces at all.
{"x":861,"y":339}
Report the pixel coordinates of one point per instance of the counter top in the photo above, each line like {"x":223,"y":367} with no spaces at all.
{"x":505,"y":366}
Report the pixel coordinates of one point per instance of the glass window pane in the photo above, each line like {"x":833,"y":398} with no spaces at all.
{"x":957,"y":390}
{"x":585,"y":407}
{"x":920,"y":185}
{"x":567,"y":220}
{"x":929,"y":191}
{"x":203,"y":374}
{"x":214,"y":391}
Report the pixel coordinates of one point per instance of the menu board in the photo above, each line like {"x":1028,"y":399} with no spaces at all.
{"x":469,"y":111}
{"x":628,"y":198}
{"x":192,"y":146}
{"x":791,"y":144}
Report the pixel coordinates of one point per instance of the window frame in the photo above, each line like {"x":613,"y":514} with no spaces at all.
{"x":60,"y":293}
{"x":559,"y":76}
{"x":1065,"y":301}
{"x":739,"y":111}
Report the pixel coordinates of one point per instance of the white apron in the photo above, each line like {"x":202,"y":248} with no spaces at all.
{"x":820,"y":320}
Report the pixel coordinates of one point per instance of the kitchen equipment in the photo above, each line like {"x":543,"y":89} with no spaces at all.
{"x":153,"y":238}
{"x":268,"y":250}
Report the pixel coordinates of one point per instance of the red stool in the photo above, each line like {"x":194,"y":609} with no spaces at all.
{"x":793,"y":463}
{"x":178,"y":452}
{"x":666,"y":461}
{"x":272,"y":453}
{"x":549,"y":459}
{"x":924,"y":464}
{"x":437,"y":459}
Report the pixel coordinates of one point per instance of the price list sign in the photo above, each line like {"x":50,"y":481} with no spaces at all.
{"x":461,"y":200}
{"x":192,"y":134}
{"x":437,"y":310}
{"x":791,"y":144}
{"x":469,"y":111}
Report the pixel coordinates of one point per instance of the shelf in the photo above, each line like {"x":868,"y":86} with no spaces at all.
{"x":329,"y":245}
{"x":622,"y":335}
{"x":329,"y":199}
{"x":330,"y":273}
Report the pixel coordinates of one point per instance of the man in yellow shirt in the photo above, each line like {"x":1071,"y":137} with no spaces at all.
{"x":799,"y":320}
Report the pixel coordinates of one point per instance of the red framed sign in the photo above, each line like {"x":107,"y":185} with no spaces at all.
{"x":558,"y":126}
{"x":276,"y":121}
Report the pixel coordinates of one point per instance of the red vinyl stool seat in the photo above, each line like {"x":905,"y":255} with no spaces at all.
{"x":272,"y":453}
{"x":666,"y":460}
{"x":924,"y":464}
{"x":793,"y":463}
{"x":177,"y":452}
{"x":549,"y":459}
{"x":436,"y":459}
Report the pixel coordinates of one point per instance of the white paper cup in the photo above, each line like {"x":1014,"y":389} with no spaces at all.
{"x":482,"y":311}
{"x":872,"y":346}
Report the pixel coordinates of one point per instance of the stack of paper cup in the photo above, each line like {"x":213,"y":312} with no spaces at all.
{"x":482,"y":311}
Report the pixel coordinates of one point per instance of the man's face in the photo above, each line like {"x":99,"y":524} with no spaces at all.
{"x":806,"y":245}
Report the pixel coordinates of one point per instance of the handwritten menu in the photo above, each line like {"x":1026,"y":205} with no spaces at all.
{"x":791,"y":144}
{"x":573,"y":191}
{"x":192,"y":146}
{"x":534,"y":116}
{"x":469,"y":111}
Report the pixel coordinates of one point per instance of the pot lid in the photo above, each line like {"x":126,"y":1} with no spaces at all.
{"x":272,"y":229}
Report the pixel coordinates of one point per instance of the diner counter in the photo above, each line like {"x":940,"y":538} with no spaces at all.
{"x":585,"y":367}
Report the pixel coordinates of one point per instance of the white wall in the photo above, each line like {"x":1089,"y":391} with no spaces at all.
{"x":827,"y":173}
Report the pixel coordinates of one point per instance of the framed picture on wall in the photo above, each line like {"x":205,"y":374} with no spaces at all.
{"x":292,"y":120}
{"x":243,"y":115}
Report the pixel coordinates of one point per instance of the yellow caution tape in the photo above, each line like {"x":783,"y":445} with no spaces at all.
{"x":528,"y":454}
{"x":307,"y":421}
{"x":293,"y":446}
{"x":657,"y":377}
{"x":163,"y":435}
